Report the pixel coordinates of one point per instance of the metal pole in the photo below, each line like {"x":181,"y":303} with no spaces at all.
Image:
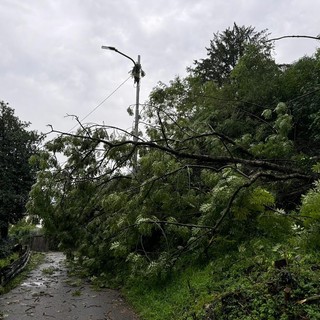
{"x":137,"y":75}
{"x":136,"y":116}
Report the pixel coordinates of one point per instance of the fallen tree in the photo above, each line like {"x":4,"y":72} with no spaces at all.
{"x":216,"y":162}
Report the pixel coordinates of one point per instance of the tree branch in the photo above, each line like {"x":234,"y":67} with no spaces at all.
{"x":294,"y":36}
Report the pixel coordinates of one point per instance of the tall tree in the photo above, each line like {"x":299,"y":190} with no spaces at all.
{"x":17,"y":144}
{"x":226,"y":48}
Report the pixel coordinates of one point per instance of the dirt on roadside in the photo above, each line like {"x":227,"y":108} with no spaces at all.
{"x":48,"y":293}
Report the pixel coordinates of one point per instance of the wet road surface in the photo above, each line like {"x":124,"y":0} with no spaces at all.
{"x":48,"y":293}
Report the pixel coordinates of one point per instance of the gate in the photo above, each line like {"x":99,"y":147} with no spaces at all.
{"x":39,"y":243}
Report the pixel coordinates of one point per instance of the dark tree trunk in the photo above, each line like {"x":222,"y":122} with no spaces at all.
{"x":4,"y":230}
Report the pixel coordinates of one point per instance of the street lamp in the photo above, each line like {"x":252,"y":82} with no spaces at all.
{"x":137,"y":74}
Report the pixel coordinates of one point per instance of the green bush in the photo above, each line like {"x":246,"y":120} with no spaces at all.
{"x":22,"y":232}
{"x":5,"y":248}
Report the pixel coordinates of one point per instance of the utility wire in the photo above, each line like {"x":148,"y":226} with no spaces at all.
{"x":102,"y":102}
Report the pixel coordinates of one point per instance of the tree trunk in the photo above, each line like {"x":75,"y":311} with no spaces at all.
{"x":4,"y":229}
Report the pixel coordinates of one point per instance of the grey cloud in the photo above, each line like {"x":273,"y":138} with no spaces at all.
{"x":52,"y":63}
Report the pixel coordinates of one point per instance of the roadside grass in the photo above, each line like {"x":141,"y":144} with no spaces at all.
{"x":7,"y":261}
{"x":35,"y":260}
{"x":242,"y":283}
{"x":171,"y":299}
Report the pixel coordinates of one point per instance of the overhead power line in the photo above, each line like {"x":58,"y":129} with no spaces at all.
{"x":102,"y":102}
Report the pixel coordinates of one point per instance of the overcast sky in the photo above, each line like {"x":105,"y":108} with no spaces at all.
{"x":52,"y":64}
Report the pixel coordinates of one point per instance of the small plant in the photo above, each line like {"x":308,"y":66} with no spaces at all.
{"x":76,"y":293}
{"x":49,"y":271}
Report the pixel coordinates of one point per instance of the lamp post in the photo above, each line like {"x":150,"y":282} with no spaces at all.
{"x":137,"y":74}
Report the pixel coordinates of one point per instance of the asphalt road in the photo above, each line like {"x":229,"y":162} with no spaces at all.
{"x":53,"y":295}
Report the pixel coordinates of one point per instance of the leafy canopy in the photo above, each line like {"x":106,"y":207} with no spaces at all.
{"x":17,"y":144}
{"x":218,"y":161}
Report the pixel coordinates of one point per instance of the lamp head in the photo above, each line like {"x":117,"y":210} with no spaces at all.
{"x":109,"y":48}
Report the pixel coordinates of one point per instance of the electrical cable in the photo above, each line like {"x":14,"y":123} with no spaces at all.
{"x":102,"y":102}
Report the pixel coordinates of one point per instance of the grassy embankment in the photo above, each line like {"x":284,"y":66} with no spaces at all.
{"x":238,"y":283}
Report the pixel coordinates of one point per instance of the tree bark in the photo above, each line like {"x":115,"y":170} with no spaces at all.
{"x":4,"y":230}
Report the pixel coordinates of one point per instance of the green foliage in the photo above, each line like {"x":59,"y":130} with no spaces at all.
{"x":17,"y":145}
{"x":5,"y":248}
{"x":22,"y":231}
{"x":275,"y":145}
{"x":311,"y":213}
{"x":256,"y":69}
{"x":226,"y":49}
{"x":242,"y":284}
{"x":253,"y":203}
{"x":8,"y":260}
{"x":310,"y":204}
{"x":222,"y":162}
{"x":300,"y":83}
